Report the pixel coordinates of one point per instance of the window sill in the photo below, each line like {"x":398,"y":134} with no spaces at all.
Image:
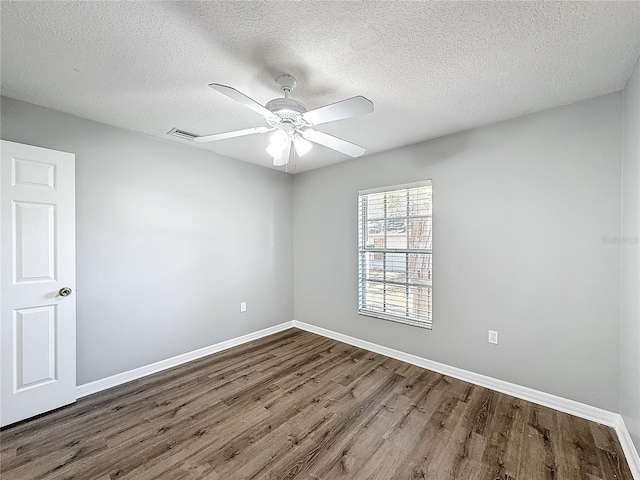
{"x":392,"y":318}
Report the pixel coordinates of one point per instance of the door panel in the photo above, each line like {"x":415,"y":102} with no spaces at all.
{"x":37,"y":252}
{"x":35,"y":346}
{"x":34,"y":242}
{"x":29,"y":172}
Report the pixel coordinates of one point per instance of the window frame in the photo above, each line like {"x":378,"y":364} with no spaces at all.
{"x":363,"y":234}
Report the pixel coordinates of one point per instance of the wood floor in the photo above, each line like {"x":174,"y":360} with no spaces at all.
{"x":299,"y":406}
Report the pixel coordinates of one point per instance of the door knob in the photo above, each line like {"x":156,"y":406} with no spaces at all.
{"x":65,"y":292}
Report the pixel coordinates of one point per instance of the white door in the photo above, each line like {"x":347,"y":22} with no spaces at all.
{"x":37,"y":264}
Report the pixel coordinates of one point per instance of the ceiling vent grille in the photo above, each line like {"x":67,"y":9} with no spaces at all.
{"x":181,"y":134}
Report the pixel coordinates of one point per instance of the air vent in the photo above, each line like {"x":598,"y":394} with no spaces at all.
{"x":181,"y":134}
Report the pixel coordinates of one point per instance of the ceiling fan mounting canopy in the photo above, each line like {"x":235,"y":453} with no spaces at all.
{"x":293,"y":123}
{"x":287,"y":83}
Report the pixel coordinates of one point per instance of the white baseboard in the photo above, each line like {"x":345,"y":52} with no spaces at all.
{"x":120,"y":378}
{"x":571,"y":407}
{"x":546,"y":399}
{"x":629,"y":449}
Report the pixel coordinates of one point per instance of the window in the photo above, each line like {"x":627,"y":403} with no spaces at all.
{"x":395,"y":253}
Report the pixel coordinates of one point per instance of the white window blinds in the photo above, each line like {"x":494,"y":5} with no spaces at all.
{"x":395,"y":253}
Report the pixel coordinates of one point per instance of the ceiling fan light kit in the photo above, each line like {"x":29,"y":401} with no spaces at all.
{"x":302,"y":145}
{"x":291,"y":123}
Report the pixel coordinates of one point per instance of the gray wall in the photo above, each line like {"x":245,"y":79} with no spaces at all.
{"x":630,"y":261}
{"x":520,"y":212}
{"x":170,"y":240}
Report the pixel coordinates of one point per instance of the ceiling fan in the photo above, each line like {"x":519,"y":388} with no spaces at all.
{"x":292,"y":124}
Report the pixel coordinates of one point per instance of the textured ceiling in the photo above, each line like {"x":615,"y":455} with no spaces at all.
{"x":430,"y":68}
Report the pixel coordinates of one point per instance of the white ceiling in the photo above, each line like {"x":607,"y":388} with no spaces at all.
{"x":430,"y":68}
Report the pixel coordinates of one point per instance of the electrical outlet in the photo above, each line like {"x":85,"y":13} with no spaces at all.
{"x":493,"y":337}
{"x":243,"y":307}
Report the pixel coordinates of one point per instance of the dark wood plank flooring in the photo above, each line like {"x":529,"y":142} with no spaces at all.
{"x":299,"y":406}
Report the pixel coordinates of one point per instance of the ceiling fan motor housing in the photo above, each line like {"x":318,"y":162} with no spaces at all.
{"x":287,"y":109}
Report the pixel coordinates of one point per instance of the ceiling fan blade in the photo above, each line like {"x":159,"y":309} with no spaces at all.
{"x":240,"y":97}
{"x":237,"y":133}
{"x":332,"y":142}
{"x":348,"y":108}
